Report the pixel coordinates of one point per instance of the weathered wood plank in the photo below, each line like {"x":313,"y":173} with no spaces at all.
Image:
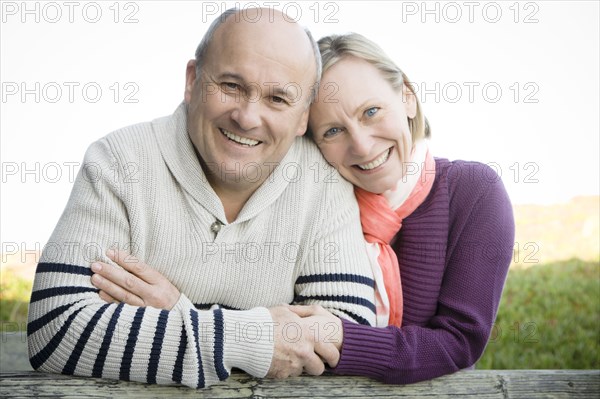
{"x":500,"y":384}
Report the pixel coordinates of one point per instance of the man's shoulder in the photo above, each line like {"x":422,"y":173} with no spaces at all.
{"x":315,"y":168}
{"x":313,"y":182}
{"x":139,"y":139}
{"x":308,"y":150}
{"x":131,"y":135}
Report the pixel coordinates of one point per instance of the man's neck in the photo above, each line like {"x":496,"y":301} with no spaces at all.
{"x":233,"y":197}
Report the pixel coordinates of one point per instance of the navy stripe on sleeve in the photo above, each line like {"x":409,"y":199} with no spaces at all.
{"x":125,"y":371}
{"x":341,"y":277}
{"x":178,"y":368}
{"x":63,"y":268}
{"x":36,"y":324}
{"x":338,"y":298}
{"x":69,"y":368}
{"x":208,"y":306}
{"x":38,"y":359}
{"x":59,"y":291}
{"x":194,"y":317}
{"x":357,"y":318}
{"x":159,"y":336}
{"x":110,"y":329}
{"x":219,"y":342}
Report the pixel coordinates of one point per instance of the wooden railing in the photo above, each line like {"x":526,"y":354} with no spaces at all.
{"x":474,"y":384}
{"x":17,"y":379}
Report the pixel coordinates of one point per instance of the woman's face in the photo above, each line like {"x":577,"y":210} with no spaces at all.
{"x":360,"y":124}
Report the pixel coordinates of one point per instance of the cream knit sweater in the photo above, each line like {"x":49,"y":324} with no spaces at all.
{"x":298,"y":239}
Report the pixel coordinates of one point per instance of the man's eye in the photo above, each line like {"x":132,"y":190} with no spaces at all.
{"x":332,"y":132}
{"x":278,"y":100}
{"x":371,"y":111}
{"x":229,"y":86}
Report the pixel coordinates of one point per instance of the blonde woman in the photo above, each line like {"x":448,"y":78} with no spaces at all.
{"x":449,"y":223}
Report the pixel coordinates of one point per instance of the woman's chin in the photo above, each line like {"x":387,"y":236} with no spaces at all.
{"x":376,"y":187}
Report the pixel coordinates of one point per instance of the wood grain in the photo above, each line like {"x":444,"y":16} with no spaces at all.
{"x":499,"y":384}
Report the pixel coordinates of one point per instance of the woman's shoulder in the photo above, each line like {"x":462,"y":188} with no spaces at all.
{"x":472,"y":170}
{"x":469,"y":181}
{"x":467,"y":174}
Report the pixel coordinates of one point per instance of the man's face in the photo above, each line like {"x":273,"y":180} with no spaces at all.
{"x":249,"y":101}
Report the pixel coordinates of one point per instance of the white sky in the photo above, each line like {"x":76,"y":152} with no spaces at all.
{"x":541,"y":132}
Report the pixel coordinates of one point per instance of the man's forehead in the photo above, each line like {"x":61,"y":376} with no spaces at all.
{"x":272,"y":49}
{"x":271,"y":28}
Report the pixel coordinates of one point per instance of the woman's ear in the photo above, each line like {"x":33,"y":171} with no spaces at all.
{"x":410,"y":101}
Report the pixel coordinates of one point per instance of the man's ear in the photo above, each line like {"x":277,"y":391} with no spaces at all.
{"x":410,"y":101}
{"x":303,"y":123}
{"x":190,"y":79}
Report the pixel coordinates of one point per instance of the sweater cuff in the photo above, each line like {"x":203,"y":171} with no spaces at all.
{"x":183,"y":304}
{"x":365,"y":351}
{"x":249,"y":341}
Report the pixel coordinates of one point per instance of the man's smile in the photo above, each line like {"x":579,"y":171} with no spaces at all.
{"x":240,"y":140}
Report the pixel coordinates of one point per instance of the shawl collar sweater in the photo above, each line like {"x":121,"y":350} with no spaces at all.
{"x":142,"y":189}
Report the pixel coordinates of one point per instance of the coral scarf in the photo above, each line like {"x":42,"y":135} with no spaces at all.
{"x":381,"y":217}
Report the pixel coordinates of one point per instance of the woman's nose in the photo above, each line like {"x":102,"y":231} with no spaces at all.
{"x":361,"y":142}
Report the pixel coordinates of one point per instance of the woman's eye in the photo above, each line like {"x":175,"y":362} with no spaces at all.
{"x":371,"y":111}
{"x":332,"y":132}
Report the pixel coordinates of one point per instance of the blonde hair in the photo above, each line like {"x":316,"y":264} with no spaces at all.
{"x":334,"y":48}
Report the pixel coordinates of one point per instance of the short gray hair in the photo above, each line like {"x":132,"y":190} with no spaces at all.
{"x":202,"y":48}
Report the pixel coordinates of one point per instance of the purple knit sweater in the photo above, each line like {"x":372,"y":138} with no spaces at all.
{"x":454,"y":251}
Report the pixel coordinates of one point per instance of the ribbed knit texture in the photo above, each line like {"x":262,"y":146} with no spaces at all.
{"x":454,"y":251}
{"x":142,"y":189}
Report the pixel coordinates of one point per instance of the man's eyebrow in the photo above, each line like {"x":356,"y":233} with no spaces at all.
{"x":278,"y":91}
{"x":271,"y":89}
{"x":230,"y":75}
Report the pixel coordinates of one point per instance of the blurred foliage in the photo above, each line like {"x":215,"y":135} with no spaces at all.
{"x":549,"y":318}
{"x":557,"y":232}
{"x":14,"y":299}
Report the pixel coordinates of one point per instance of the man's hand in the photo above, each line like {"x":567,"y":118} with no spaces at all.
{"x":136,"y":284}
{"x":326,"y":329}
{"x":299,"y":343}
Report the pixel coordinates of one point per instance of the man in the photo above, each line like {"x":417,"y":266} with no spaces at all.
{"x":227,"y":202}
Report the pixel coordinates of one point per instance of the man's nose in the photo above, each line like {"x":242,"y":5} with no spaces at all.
{"x":247,"y":113}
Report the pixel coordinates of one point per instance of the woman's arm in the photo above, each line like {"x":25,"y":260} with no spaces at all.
{"x":467,"y":305}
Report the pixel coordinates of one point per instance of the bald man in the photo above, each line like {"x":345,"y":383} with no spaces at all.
{"x":236,"y":213}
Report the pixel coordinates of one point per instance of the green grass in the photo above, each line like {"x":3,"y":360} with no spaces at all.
{"x":14,"y":300}
{"x":549,"y":318}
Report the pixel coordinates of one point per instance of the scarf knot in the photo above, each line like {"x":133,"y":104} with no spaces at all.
{"x":379,"y":222}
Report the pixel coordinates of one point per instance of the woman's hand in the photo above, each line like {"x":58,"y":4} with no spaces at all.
{"x":326,"y":328}
{"x":136,"y":284}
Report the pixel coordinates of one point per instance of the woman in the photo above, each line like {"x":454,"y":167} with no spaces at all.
{"x":451,"y":223}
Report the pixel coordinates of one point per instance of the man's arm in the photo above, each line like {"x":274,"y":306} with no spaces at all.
{"x":336,"y":273}
{"x":297,"y":350}
{"x":71,"y":330}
